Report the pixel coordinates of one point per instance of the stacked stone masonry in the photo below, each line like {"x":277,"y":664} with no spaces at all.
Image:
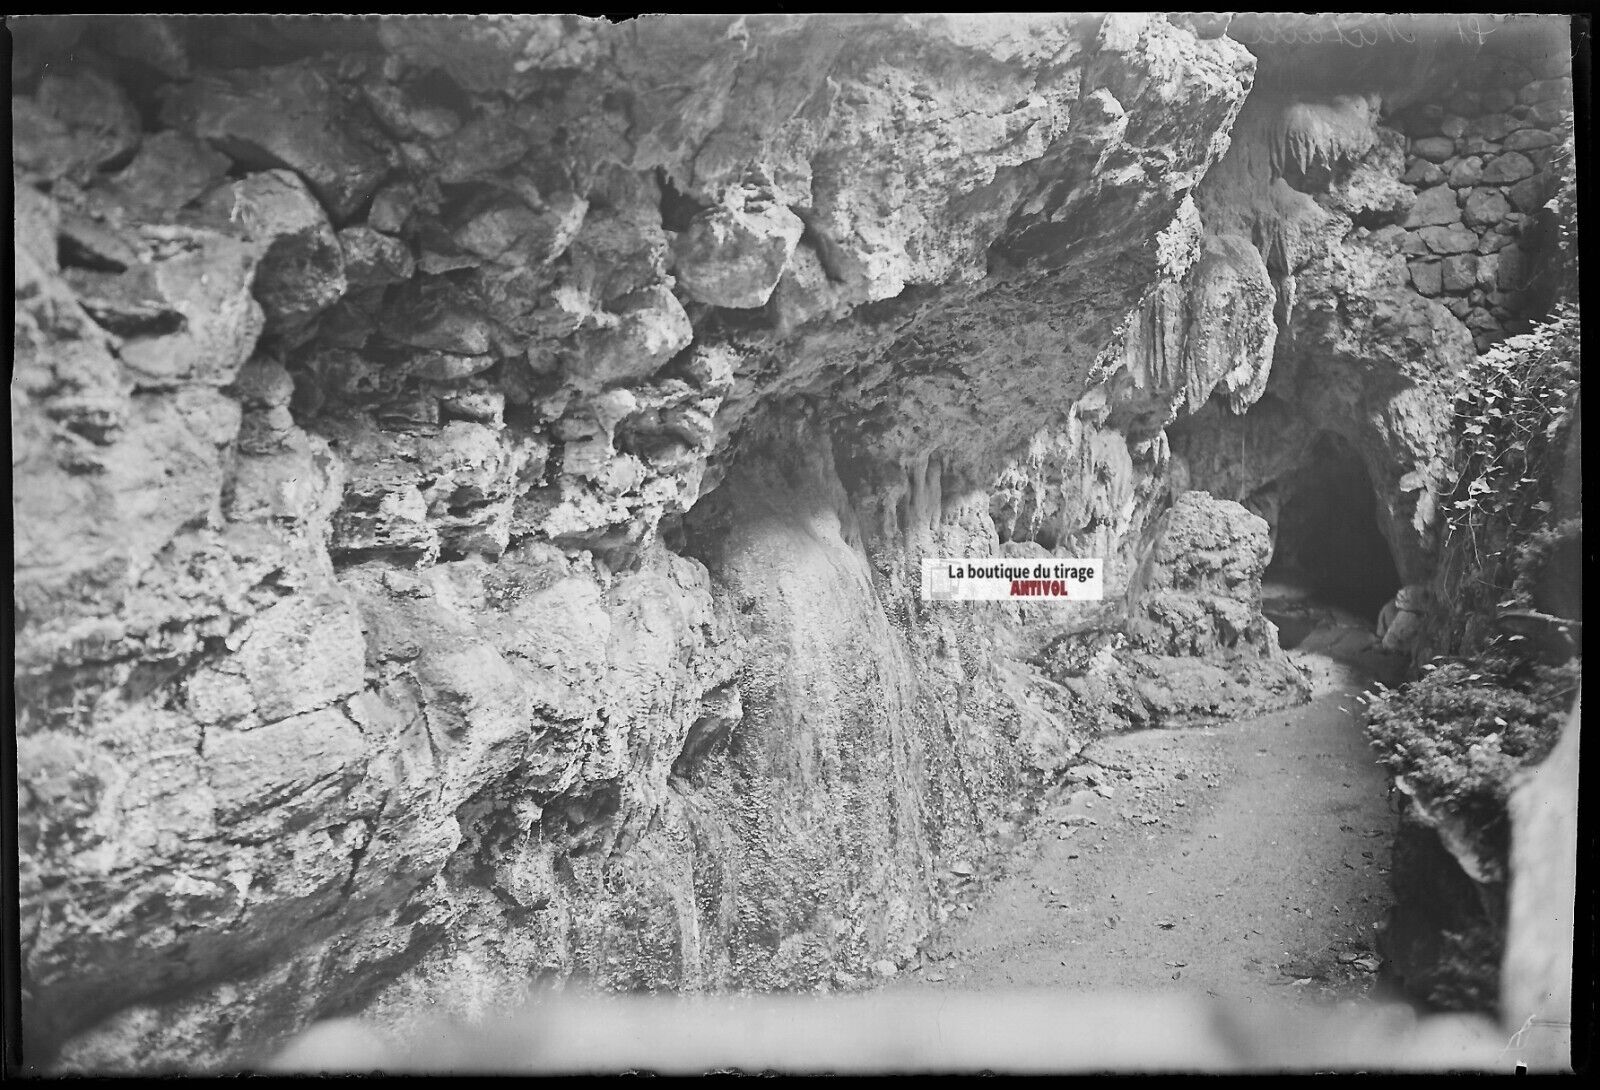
{"x":1480,"y":158}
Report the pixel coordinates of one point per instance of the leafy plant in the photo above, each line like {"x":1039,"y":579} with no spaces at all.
{"x":1461,"y":731}
{"x":1510,"y":429}
{"x":1506,"y":424}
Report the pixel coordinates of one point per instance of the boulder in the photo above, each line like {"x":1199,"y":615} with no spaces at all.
{"x":1466,"y":173}
{"x":1485,"y":207}
{"x":1426,"y":276}
{"x":1529,"y":194}
{"x":1493,"y":127}
{"x":733,"y":257}
{"x":1434,"y":207}
{"x":1422,"y":174}
{"x":291,"y":116}
{"x":204,"y":279}
{"x":301,"y":269}
{"x":373,"y":259}
{"x":170,"y":170}
{"x":103,"y":123}
{"x":1528,"y":140}
{"x":1435,"y":149}
{"x":479,"y":148}
{"x":1459,"y":273}
{"x":1513,"y":166}
{"x":1549,"y":114}
{"x":1546,"y":90}
{"x":1454,"y":239}
{"x":1488,"y":271}
{"x":436,"y":315}
{"x":635,"y":341}
{"x":1514,"y":271}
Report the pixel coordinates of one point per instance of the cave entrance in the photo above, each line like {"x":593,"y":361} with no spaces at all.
{"x":1328,"y":539}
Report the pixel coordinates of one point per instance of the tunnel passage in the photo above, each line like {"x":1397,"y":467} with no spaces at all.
{"x":1328,"y":539}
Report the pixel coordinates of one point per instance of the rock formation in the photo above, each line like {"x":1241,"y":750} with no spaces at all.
{"x":471,"y":475}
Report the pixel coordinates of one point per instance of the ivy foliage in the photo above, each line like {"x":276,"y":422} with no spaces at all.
{"x":1460,"y":732}
{"x":1510,"y":430}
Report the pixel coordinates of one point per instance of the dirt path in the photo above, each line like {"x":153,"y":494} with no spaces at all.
{"x":1247,"y":860}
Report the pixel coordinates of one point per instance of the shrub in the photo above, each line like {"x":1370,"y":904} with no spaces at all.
{"x":1459,"y":734}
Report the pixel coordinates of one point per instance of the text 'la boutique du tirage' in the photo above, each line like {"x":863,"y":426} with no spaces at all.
{"x":989,"y":579}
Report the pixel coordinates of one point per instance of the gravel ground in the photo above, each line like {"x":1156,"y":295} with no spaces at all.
{"x":1246,"y":860}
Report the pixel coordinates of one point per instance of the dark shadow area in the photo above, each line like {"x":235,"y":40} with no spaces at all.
{"x":1328,"y":538}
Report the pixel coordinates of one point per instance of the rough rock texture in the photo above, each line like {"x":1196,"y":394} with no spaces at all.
{"x":1536,"y":980}
{"x":1197,"y":645}
{"x":1388,"y":279}
{"x":471,"y":477}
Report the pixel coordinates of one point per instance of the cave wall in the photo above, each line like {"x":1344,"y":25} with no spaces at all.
{"x":471,"y":478}
{"x":1398,"y":204}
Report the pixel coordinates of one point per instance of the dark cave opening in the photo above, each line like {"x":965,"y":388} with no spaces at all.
{"x":1328,"y":538}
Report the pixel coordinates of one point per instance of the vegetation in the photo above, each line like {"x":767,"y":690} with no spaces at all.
{"x":1510,"y":423}
{"x":1511,"y":538}
{"x":1460,"y":732}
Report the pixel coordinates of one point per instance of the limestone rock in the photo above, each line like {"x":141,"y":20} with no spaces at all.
{"x":1528,"y":140}
{"x":733,"y":257}
{"x":99,"y":126}
{"x":1421,"y":173}
{"x":1485,"y":207}
{"x":1209,"y":557}
{"x":1546,"y":90}
{"x":1453,"y":239}
{"x":1513,"y":166}
{"x":636,"y":341}
{"x":481,"y":147}
{"x":435,"y":315}
{"x":301,"y":267}
{"x":478,"y":621}
{"x":1427,"y":277}
{"x":1231,"y":333}
{"x":406,"y":115}
{"x":290,"y":116}
{"x":157,"y":44}
{"x":204,"y":279}
{"x":1435,"y":149}
{"x":1467,"y":173}
{"x":1434,"y":207}
{"x":372,"y":258}
{"x":1549,"y":114}
{"x":1493,"y":127}
{"x":1536,"y":978}
{"x":1529,"y":194}
{"x":1460,"y":272}
{"x":170,"y":170}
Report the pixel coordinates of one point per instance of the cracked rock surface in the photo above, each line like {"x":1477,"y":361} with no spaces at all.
{"x":470,"y":475}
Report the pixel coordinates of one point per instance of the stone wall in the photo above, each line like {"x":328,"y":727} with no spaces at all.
{"x":1480,"y":156}
{"x":1399,"y":208}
